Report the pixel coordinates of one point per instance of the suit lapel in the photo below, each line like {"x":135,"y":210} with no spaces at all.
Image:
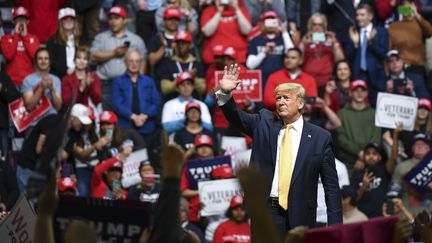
{"x":275,"y":127}
{"x":302,"y":152}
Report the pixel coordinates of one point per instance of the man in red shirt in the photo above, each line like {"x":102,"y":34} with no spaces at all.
{"x":290,"y":74}
{"x":236,"y":229}
{"x":19,"y":48}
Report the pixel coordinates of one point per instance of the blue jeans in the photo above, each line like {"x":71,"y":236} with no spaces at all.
{"x":23,"y":175}
{"x":84,"y":176}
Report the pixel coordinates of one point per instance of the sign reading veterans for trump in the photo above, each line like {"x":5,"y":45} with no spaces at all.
{"x":200,"y":169}
{"x":19,"y":225}
{"x":21,"y":118}
{"x":393,"y":108}
{"x":131,"y":176}
{"x":420,"y":176}
{"x":250,"y":85}
{"x":113,"y":220}
{"x":216,"y":195}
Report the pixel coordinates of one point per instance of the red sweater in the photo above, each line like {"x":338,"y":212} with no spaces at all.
{"x":282,"y":76}
{"x":43,"y":16}
{"x":227,"y":34}
{"x":229,"y":231}
{"x":98,"y":185}
{"x":19,"y":53}
{"x":93,"y":91}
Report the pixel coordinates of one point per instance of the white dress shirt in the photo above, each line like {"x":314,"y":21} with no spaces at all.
{"x":296,"y":131}
{"x":70,"y":52}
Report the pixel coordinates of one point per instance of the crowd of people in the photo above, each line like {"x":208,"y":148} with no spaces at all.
{"x":129,"y":71}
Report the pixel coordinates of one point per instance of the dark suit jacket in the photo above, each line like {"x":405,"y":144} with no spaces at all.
{"x":58,"y":57}
{"x":375,"y":55}
{"x":315,"y":157}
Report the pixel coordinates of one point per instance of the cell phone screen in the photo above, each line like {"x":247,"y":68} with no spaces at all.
{"x":318,"y":37}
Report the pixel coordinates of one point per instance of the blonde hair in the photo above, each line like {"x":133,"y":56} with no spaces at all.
{"x":61,"y":35}
{"x":317,"y":15}
{"x":292,"y":88}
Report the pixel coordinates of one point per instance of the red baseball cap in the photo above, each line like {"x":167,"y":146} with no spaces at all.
{"x":172,"y":13}
{"x":218,"y":50}
{"x":269,"y":15}
{"x":183,"y":77}
{"x":202,"y":139}
{"x":231,"y":52}
{"x":108,"y":117}
{"x":67,"y":183}
{"x":193,"y":105}
{"x":183,"y":35}
{"x":118,"y":10}
{"x":222,"y":172}
{"x":236,"y":201}
{"x":117,"y":166}
{"x":424,"y":103}
{"x":358,"y":84}
{"x":20,"y":12}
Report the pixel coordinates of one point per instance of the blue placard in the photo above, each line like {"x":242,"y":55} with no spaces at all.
{"x":200,"y":169}
{"x":420,"y":175}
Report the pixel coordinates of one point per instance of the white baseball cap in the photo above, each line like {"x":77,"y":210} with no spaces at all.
{"x":81,"y":112}
{"x":66,"y":12}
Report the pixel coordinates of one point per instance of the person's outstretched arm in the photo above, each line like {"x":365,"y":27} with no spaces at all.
{"x":47,"y":204}
{"x":167,"y":213}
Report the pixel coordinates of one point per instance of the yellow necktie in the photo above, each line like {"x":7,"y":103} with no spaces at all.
{"x":285,"y":168}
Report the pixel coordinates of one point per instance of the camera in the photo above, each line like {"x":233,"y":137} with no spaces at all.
{"x":318,"y":37}
{"x":271,"y":23}
{"x":310,"y":100}
{"x":224,"y":2}
{"x":394,"y":192}
{"x":126,"y":44}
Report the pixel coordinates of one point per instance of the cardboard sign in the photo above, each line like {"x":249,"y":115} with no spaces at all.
{"x":240,"y":160}
{"x":131,"y":176}
{"x":420,"y":176}
{"x":232,"y":145}
{"x":250,"y":85}
{"x":19,"y":225}
{"x":21,"y":118}
{"x":393,"y":108}
{"x":216,"y":195}
{"x":200,"y":169}
{"x":113,"y":220}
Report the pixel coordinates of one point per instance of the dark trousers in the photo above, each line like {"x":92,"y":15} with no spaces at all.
{"x":372,"y":92}
{"x":279,"y":217}
{"x":146,"y":25}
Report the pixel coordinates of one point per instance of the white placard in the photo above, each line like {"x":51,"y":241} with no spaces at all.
{"x":393,"y":108}
{"x":233,"y":144}
{"x":240,"y":159}
{"x":131,"y":174}
{"x":216,"y":195}
{"x":19,"y":225}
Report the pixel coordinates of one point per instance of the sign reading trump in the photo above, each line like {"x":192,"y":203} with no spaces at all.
{"x":420,"y":177}
{"x":200,"y":169}
{"x":250,"y":85}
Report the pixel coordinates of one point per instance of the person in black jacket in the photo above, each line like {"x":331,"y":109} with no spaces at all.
{"x":8,"y":93}
{"x":9,"y":191}
{"x":63,"y":43}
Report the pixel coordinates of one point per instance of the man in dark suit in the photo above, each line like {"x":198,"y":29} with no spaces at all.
{"x":291,"y":160}
{"x":366,"y":49}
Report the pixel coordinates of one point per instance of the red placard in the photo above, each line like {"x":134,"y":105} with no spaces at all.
{"x":21,"y":118}
{"x":250,"y":85}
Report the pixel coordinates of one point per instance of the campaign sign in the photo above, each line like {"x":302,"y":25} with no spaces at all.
{"x":21,"y":118}
{"x":131,"y":176}
{"x":240,"y":160}
{"x":113,"y":220}
{"x":19,"y":225}
{"x":250,"y":85}
{"x":420,"y":175}
{"x":393,"y":108}
{"x":200,"y":169}
{"x":233,"y":144}
{"x":216,"y":195}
